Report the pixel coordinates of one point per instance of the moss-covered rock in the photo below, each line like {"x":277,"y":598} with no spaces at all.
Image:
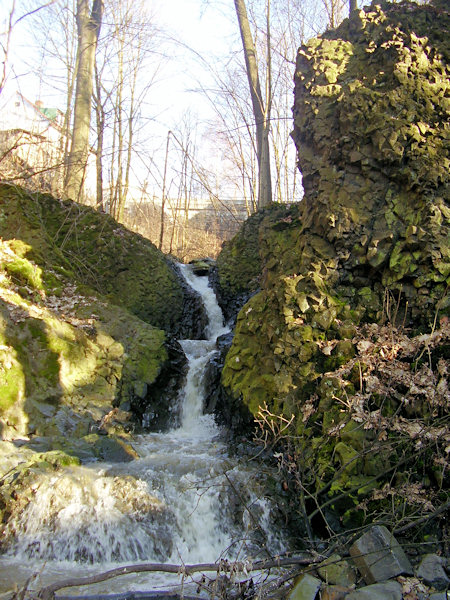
{"x":92,"y":248}
{"x":369,"y":244}
{"x":76,"y":340}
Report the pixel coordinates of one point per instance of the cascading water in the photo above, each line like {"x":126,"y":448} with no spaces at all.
{"x":183,"y":501}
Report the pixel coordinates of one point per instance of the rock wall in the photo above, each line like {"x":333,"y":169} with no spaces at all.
{"x":86,"y":313}
{"x":354,"y":280}
{"x":371,"y":128}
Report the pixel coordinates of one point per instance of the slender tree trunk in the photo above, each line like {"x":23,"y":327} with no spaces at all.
{"x":259,"y":111}
{"x":353,"y":5}
{"x":88,"y":26}
{"x":112,"y":178}
{"x":131,"y":121}
{"x":100,"y":118}
{"x":120,"y":148}
{"x":163,"y":200}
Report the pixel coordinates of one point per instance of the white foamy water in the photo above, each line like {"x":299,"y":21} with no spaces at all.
{"x":183,"y":501}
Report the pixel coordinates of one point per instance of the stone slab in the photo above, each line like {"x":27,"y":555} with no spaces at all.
{"x":305,"y":588}
{"x":334,"y":592}
{"x":389,"y":590}
{"x":337,"y":571}
{"x":378,"y":555}
{"x":431,"y":570}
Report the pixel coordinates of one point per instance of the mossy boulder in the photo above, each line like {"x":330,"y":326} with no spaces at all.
{"x":92,"y":248}
{"x":354,"y":280}
{"x":75,"y":339}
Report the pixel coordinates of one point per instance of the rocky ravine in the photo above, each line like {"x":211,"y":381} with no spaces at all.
{"x":89,"y":315}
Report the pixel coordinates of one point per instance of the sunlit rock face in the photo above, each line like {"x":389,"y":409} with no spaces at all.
{"x":367,"y":248}
{"x":86,"y":311}
{"x":371,"y":128}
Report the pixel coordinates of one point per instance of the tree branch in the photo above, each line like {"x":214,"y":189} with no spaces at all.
{"x":48,"y":593}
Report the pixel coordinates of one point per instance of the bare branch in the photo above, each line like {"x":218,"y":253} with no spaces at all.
{"x":224,"y":566}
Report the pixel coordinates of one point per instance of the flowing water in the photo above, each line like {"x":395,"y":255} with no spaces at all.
{"x":185,"y":500}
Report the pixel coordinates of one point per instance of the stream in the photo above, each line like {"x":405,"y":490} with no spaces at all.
{"x":185,"y":500}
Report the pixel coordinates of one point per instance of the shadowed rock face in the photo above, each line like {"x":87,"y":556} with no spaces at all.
{"x":367,"y":247}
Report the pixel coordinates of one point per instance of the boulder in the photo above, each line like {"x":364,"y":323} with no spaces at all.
{"x":334,"y":592}
{"x":344,"y":288}
{"x":432,"y":570}
{"x":306,"y":587}
{"x":389,"y":590}
{"x":334,"y":570}
{"x":201,"y":267}
{"x":378,"y":555}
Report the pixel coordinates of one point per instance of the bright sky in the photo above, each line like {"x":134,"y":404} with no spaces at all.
{"x":199,"y":24}
{"x":201,"y":28}
{"x":204,"y":30}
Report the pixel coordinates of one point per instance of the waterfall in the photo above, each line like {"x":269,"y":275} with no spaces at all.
{"x":185,"y":500}
{"x":198,"y":354}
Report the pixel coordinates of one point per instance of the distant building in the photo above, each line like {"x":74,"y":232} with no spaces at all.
{"x":33,"y":145}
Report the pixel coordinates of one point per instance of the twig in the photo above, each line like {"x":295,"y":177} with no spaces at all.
{"x":424,"y":519}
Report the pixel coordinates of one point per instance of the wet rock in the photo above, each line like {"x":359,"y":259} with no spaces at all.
{"x":230,"y":300}
{"x":201,"y":267}
{"x":140,"y":389}
{"x":193,"y":320}
{"x":110,"y":449}
{"x":159,"y":410}
{"x":228,"y":411}
{"x":432,"y":570}
{"x":305,"y":588}
{"x":334,"y":592}
{"x":378,"y":555}
{"x":389,"y":590}
{"x":334,"y":570}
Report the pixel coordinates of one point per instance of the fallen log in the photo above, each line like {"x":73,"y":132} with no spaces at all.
{"x":224,"y":566}
{"x":133,"y":596}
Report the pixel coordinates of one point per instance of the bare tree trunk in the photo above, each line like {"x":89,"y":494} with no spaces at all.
{"x":353,"y":5}
{"x":131,"y":121}
{"x":259,"y":110}
{"x":163,"y":200}
{"x":88,"y":26}
{"x":120,"y":145}
{"x":100,"y":118}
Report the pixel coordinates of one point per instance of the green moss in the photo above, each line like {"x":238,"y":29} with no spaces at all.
{"x":63,"y":360}
{"x":78,"y":242}
{"x":347,"y":457}
{"x":22,"y":271}
{"x":368,"y":243}
{"x":12,"y":381}
{"x":55,"y":459}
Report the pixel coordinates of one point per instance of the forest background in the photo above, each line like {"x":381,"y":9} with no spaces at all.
{"x":173,"y":149}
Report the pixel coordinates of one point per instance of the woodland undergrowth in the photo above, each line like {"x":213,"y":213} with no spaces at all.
{"x":400,"y":404}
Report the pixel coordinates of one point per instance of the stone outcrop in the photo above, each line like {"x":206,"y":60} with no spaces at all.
{"x":87,"y":309}
{"x":354,"y":279}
